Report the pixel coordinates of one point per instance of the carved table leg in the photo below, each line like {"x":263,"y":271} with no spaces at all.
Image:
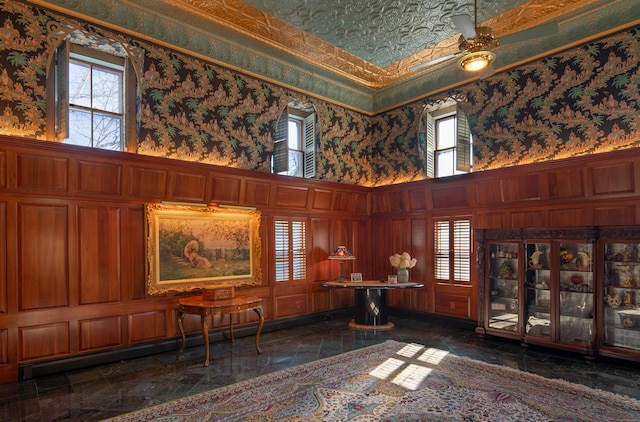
{"x":261,"y":316}
{"x":205,"y":319}
{"x":181,"y":328}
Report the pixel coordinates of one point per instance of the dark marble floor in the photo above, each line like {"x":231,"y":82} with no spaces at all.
{"x":109,"y":390}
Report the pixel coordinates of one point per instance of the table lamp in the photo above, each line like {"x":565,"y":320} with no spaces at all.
{"x":342,"y":254}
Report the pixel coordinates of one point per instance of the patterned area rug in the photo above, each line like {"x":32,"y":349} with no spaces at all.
{"x":395,"y":381}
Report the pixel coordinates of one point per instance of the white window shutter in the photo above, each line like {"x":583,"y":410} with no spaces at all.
{"x":430,"y":159}
{"x":309,"y":145}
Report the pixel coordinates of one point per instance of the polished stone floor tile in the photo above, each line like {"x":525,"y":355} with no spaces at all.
{"x":109,"y":390}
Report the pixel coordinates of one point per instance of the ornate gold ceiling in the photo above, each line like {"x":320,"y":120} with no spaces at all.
{"x":399,"y":33}
{"x":355,"y":53}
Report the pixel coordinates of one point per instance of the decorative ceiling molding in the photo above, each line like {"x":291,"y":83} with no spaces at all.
{"x":243,"y":38}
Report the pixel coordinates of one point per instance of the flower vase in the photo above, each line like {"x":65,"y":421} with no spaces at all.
{"x":403,"y":275}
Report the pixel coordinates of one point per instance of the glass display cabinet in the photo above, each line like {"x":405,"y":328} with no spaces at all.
{"x":559,"y":294}
{"x":621,"y":297}
{"x":503,"y":281}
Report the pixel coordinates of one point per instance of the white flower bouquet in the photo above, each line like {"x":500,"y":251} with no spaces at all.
{"x":403,"y":261}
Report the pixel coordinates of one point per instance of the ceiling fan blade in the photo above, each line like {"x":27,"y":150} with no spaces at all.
{"x":487,"y":72}
{"x":465,"y":25}
{"x":531,"y":33}
{"x":432,"y":62}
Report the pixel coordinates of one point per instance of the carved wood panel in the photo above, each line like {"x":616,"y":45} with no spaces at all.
{"x":99,"y":333}
{"x":188,"y":187}
{"x":43,"y":341}
{"x":42,"y":172}
{"x":225,"y":190}
{"x":146,"y":326}
{"x":42,"y":257}
{"x":148,"y":183}
{"x":99,"y":254}
{"x":101,"y":178}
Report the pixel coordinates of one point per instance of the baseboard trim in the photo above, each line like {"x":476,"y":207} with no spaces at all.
{"x":31,"y":370}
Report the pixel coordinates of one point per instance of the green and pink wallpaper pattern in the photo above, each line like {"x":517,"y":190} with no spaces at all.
{"x":582,"y":101}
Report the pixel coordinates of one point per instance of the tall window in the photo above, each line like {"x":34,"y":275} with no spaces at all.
{"x":445,"y":141}
{"x":94,"y":98}
{"x":294,"y":149}
{"x":452,"y":250}
{"x":290,"y":250}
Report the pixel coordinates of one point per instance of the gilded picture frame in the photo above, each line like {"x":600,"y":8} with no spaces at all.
{"x":193,"y":247}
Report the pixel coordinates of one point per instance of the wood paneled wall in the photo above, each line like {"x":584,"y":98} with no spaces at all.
{"x":72,"y":258}
{"x":72,"y":245}
{"x":596,"y":190}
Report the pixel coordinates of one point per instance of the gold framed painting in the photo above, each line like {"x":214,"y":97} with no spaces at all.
{"x":192,"y":247}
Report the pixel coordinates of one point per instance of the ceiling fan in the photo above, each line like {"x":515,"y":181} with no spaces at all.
{"x":475,"y":43}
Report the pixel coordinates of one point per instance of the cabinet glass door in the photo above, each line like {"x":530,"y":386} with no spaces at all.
{"x":537,"y":297}
{"x":576,"y":293}
{"x":622,"y":295}
{"x":503,"y":287}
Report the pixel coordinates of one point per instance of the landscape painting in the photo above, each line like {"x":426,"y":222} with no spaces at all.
{"x":191,"y":247}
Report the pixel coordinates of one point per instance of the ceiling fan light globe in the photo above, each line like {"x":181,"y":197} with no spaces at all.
{"x":476,"y":61}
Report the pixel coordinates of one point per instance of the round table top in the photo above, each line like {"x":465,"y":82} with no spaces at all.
{"x":372,"y":284}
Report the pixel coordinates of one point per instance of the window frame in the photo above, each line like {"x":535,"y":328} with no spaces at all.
{"x":292,"y":255}
{"x":306,"y":126}
{"x":451,"y":259}
{"x":428,"y":139}
{"x":58,"y":106}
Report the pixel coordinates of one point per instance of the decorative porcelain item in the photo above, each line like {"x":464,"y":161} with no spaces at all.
{"x":624,"y":274}
{"x":534,"y":261}
{"x":565,"y":256}
{"x":626,"y":320}
{"x":583,"y":261}
{"x":613,"y":301}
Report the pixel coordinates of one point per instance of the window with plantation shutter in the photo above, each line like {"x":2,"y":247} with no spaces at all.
{"x":452,"y":261}
{"x":445,"y":141}
{"x":290,"y":250}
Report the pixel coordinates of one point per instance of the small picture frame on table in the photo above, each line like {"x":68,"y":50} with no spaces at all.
{"x":356,"y":276}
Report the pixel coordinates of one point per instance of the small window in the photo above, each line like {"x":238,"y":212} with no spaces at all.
{"x":452,"y":248}
{"x":94,"y":98}
{"x":294,"y":149}
{"x":445,"y":141}
{"x":290,"y":250}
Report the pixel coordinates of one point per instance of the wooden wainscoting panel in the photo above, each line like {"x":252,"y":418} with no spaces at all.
{"x":4,"y":346}
{"x":147,"y":183}
{"x":225,"y":190}
{"x":99,"y":254}
{"x":133,"y":254}
{"x":99,"y":333}
{"x":489,"y":192}
{"x":452,"y":304}
{"x":3,"y":259}
{"x":292,"y":196}
{"x":42,"y":256}
{"x":524,"y":188}
{"x":490,"y":220}
{"x":567,"y":183}
{"x":342,"y":298}
{"x":188,"y":187}
{"x":43,"y":341}
{"x":291,"y":305}
{"x":417,"y":199}
{"x":614,"y":215}
{"x":147,"y":326}
{"x":3,"y":169}
{"x":42,"y":172}
{"x":381,"y":202}
{"x":529,"y":218}
{"x":398,"y":201}
{"x":450,"y":197}
{"x":322,"y":199}
{"x":351,"y":202}
{"x":257,"y":193}
{"x":614,"y":179}
{"x":100,"y":178}
{"x":320,"y":300}
{"x":570,"y":217}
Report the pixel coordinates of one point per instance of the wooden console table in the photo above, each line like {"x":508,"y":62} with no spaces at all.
{"x":207,"y":308}
{"x":371,"y":302}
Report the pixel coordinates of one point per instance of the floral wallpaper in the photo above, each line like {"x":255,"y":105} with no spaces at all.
{"x":581,"y":101}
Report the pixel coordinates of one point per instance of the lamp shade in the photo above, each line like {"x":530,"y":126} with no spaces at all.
{"x":342,"y":252}
{"x":476,"y":61}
